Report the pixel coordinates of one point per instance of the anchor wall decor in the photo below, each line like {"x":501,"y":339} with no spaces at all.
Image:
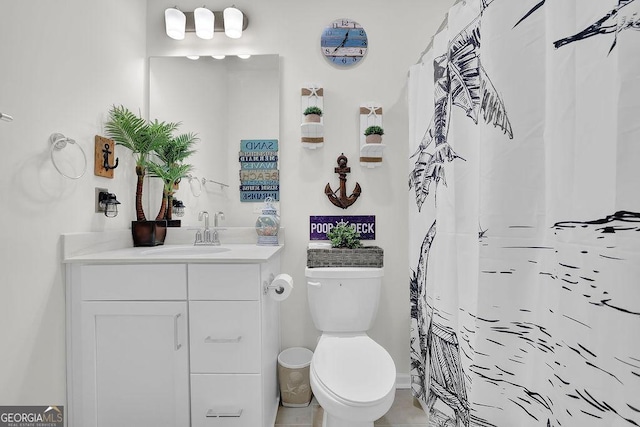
{"x":342,"y":201}
{"x":105,"y":155}
{"x":104,"y":163}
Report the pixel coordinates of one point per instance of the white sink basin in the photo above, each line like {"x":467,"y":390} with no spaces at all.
{"x":186,"y":250}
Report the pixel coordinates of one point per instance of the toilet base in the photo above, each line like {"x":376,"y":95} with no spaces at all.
{"x":329,"y":420}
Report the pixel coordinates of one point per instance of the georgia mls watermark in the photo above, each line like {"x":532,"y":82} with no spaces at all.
{"x":31,"y":416}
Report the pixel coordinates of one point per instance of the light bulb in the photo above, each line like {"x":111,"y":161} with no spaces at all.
{"x":175,"y":22}
{"x":205,"y":22}
{"x":233,"y":20}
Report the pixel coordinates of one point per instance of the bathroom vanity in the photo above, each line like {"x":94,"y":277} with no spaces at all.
{"x":172,"y":337}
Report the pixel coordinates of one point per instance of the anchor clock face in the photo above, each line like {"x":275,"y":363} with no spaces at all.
{"x":344,"y":43}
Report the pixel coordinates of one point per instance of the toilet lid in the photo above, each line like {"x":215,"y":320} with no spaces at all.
{"x":354,"y":368}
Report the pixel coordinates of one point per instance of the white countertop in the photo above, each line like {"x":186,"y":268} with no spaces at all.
{"x":236,"y":253}
{"x":115,"y":248}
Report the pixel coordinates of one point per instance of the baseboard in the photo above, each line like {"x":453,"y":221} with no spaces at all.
{"x":403,"y":381}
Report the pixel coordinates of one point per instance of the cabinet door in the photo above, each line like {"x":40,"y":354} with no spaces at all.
{"x":135,"y":364}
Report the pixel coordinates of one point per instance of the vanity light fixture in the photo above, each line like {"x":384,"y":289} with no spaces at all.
{"x":193,"y":57}
{"x":244,"y":56}
{"x":108,"y":204}
{"x":233,"y":19}
{"x":175,"y":22}
{"x":218,"y":56}
{"x":204,"y":22}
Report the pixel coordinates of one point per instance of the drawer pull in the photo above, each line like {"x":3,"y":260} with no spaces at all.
{"x":224,"y":413}
{"x":210,"y":340}
{"x":315,"y":284}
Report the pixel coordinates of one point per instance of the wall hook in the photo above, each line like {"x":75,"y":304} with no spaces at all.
{"x":105,"y":156}
{"x":342,"y":201}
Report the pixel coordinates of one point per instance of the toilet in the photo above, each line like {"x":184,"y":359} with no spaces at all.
{"x":352,"y":376}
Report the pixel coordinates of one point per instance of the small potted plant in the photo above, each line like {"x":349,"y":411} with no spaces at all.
{"x":373,"y":134}
{"x":344,"y":236}
{"x":312,"y":114}
{"x":346,"y":250}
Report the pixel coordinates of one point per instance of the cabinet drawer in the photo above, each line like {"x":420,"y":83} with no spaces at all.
{"x":225,"y":401}
{"x":224,"y":336}
{"x":224,"y":281}
{"x":133,"y":282}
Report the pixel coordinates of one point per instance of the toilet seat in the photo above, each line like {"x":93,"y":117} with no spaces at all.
{"x":354,"y":369}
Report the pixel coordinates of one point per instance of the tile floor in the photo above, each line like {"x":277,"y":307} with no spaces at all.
{"x":403,"y":413}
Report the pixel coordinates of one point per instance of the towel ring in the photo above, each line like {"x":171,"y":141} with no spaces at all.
{"x":194,"y":178}
{"x":58,"y":141}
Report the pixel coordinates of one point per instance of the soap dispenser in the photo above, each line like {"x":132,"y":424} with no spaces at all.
{"x":268,"y":224}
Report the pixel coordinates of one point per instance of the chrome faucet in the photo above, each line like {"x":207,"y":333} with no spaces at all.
{"x":208,"y":236}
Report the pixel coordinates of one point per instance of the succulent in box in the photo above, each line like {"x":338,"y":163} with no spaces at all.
{"x":344,"y":236}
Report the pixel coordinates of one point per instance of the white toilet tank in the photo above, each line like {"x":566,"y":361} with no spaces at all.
{"x":343,"y":299}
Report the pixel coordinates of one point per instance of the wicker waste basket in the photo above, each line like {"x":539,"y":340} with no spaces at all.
{"x":293,"y":376}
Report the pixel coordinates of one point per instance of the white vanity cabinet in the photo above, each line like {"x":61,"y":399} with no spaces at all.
{"x":172,"y":344}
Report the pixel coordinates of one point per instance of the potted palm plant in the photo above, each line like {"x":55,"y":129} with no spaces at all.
{"x":346,"y":250}
{"x":169,"y":166}
{"x":142,"y":138}
{"x":373,"y":134}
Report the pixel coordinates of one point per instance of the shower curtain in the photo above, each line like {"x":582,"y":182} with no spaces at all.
{"x":524,"y":215}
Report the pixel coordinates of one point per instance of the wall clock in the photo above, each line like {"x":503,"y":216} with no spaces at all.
{"x":344,"y":43}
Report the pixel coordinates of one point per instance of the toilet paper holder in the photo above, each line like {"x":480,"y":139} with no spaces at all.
{"x":268,"y":285}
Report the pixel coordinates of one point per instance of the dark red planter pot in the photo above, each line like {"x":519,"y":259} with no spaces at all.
{"x":148,"y":233}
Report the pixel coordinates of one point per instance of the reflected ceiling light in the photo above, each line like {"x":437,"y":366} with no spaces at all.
{"x":204,"y":22}
{"x":175,"y":22}
{"x":218,"y":56}
{"x":233,"y":20}
{"x":193,"y":57}
{"x":244,"y":56}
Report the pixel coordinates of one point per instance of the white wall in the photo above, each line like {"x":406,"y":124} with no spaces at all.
{"x":398,"y":32}
{"x":65,"y":63}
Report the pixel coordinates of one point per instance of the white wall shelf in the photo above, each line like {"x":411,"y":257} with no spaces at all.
{"x":370,"y":153}
{"x":312,"y":133}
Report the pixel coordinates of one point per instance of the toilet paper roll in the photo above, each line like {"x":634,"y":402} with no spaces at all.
{"x":281,"y":287}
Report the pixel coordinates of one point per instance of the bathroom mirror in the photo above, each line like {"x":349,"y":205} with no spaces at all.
{"x":223,"y":101}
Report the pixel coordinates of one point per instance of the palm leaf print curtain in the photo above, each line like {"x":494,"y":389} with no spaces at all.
{"x":524,"y":215}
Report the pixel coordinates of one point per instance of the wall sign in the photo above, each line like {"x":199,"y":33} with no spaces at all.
{"x":319,"y":226}
{"x":259,"y":174}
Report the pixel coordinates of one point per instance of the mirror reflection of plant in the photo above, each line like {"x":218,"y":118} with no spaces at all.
{"x":170,"y":174}
{"x":139,"y":136}
{"x":170,"y":167}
